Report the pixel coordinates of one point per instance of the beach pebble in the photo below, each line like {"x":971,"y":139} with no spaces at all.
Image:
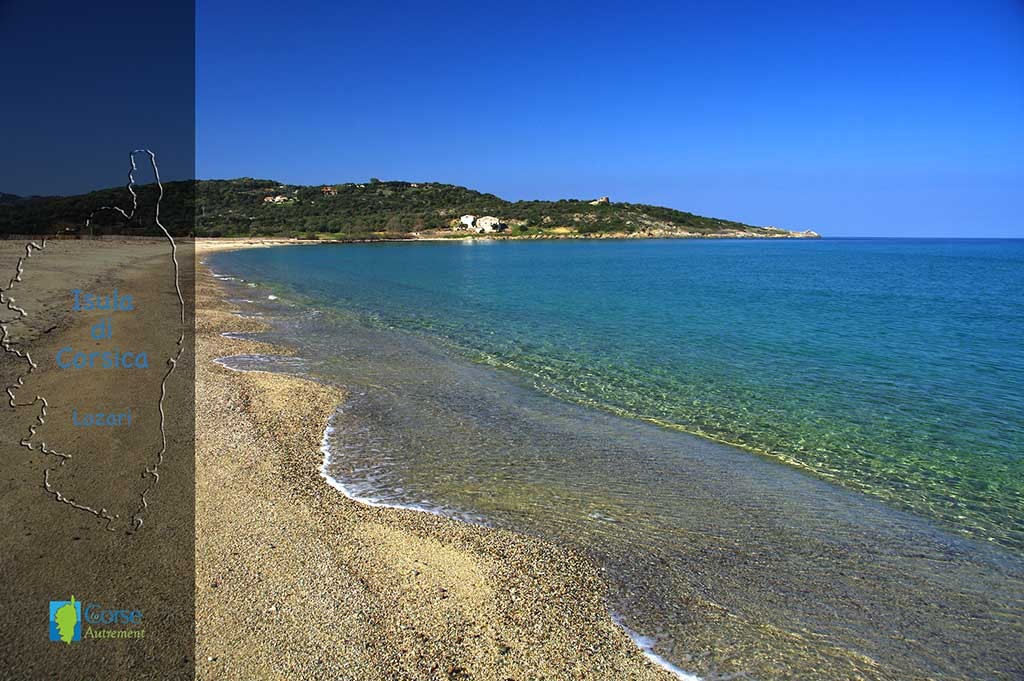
{"x":366,"y":583}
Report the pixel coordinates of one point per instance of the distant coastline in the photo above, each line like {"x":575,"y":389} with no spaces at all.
{"x":231,"y":242}
{"x":554,"y":236}
{"x":374,"y":210}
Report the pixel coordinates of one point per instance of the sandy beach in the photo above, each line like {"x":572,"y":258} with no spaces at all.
{"x":294,"y":579}
{"x":53,"y":550}
{"x":291,"y":579}
{"x":250,"y":565}
{"x":472,"y":342}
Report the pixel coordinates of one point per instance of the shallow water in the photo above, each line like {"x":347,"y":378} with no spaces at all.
{"x":730,"y":561}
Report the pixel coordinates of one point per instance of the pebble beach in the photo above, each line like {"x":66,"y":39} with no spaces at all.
{"x":293,"y":579}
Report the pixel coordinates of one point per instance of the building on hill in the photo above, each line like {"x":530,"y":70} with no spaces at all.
{"x":485,"y":224}
{"x":488,"y":224}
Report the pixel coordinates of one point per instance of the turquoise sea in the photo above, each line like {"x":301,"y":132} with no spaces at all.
{"x":853,"y":505}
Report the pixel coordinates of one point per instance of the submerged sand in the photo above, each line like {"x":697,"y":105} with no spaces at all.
{"x":294,"y":580}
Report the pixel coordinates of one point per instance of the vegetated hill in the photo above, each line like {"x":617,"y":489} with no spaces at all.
{"x":68,"y":214}
{"x":248,"y":206}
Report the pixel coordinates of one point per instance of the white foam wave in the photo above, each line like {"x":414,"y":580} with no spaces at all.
{"x":646,"y":646}
{"x":291,"y":362}
{"x":350,"y":492}
{"x":220,"y":361}
{"x":644,"y":643}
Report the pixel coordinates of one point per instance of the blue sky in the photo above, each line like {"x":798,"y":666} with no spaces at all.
{"x":86,"y":82}
{"x":901,"y":119}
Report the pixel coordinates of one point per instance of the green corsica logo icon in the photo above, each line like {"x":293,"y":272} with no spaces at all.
{"x":66,"y":620}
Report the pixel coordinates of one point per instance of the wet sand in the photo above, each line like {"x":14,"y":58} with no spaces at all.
{"x":293,"y":579}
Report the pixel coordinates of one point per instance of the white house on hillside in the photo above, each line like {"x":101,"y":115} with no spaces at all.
{"x":488,"y":224}
{"x":485,"y":224}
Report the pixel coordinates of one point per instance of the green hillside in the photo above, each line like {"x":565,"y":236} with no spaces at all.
{"x":354,"y":210}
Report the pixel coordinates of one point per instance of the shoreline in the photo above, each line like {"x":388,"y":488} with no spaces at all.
{"x":643,"y":643}
{"x":419,"y":594}
{"x":208,"y":246}
{"x":213,"y":244}
{"x":830,"y":530}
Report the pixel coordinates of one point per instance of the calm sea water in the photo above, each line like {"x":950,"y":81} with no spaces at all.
{"x":855,"y":505}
